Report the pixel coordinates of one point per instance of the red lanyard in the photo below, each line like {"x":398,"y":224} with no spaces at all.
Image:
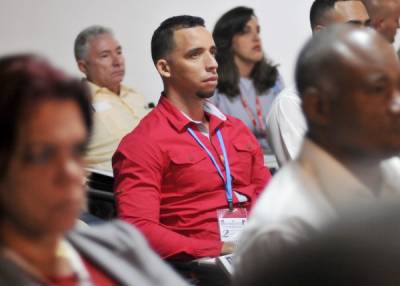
{"x":262,"y":128}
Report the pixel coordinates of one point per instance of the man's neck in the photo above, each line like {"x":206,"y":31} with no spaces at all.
{"x":369,"y":173}
{"x":191,"y":105}
{"x":364,"y":167}
{"x":39,"y":252}
{"x":113,"y":89}
{"x":245,"y":67}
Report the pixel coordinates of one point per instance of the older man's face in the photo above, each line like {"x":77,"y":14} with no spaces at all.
{"x":104,"y":63}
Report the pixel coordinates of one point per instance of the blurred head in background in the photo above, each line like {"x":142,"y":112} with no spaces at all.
{"x":324,"y":13}
{"x":384,"y":16}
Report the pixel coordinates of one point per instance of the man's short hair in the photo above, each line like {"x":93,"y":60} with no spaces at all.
{"x":84,"y":37}
{"x":162,"y":41}
{"x":314,"y":61}
{"x":318,"y":11}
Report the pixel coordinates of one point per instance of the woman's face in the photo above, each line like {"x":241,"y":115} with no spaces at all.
{"x":42,"y":192}
{"x":247,"y":44}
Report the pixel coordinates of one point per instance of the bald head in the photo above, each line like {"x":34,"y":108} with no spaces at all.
{"x":349,"y":80}
{"x":332,"y":49}
{"x":324,"y":13}
{"x":384,"y":16}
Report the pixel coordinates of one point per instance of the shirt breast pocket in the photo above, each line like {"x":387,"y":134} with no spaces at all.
{"x":188,"y":167}
{"x":243,"y":163}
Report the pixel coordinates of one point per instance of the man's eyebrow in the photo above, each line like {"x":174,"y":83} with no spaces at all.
{"x":194,"y":51}
{"x":359,"y":22}
{"x":377,"y":77}
{"x":105,"y":51}
{"x":355,"y":22}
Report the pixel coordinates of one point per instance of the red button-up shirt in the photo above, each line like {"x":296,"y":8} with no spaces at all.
{"x":167,"y":186}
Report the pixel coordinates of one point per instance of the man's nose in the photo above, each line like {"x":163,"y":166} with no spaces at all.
{"x":211,"y":62}
{"x":395,"y":103}
{"x":118,"y":59}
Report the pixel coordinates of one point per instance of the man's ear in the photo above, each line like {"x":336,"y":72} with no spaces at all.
{"x":163,"y":68}
{"x":378,"y":23}
{"x":82,"y":66}
{"x":316,"y":106}
{"x":318,"y":28}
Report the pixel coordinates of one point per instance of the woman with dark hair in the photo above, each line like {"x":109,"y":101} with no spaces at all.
{"x":45,"y":120}
{"x":248,"y":82}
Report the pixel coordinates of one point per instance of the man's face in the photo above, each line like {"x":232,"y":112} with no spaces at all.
{"x":388,"y":25}
{"x":104,"y":64}
{"x":367,"y":113}
{"x":349,"y":12}
{"x":192,"y":64}
{"x":42,"y":192}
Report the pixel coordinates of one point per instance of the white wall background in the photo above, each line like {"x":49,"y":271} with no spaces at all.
{"x":49,"y":27}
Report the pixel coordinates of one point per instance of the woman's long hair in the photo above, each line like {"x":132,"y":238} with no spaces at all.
{"x":264,"y":73}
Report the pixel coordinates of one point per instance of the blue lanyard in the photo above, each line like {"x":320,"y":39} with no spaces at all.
{"x":227,"y":179}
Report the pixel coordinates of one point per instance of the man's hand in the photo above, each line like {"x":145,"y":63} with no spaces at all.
{"x":227,"y":248}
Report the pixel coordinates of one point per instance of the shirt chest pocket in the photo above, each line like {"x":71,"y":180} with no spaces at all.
{"x":188,"y":168}
{"x":242,"y":162}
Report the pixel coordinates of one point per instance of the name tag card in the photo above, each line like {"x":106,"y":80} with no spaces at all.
{"x":231,"y":223}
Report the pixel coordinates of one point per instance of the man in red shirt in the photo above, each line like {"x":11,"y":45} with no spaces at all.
{"x":186,"y":160}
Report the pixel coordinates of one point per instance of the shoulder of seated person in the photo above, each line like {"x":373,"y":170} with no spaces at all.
{"x":149,"y":126}
{"x":131,"y":90}
{"x":234,"y":120}
{"x":115,"y":231}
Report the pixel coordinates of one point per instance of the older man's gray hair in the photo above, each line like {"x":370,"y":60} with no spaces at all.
{"x":84,"y":37}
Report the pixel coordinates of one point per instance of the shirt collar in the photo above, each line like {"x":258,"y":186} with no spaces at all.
{"x":337,"y":183}
{"x":95,"y":89}
{"x":180,"y":120}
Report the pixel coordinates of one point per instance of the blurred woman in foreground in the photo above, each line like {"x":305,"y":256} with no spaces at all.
{"x":45,"y":119}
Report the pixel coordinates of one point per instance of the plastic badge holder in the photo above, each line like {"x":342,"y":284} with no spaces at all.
{"x":231,"y":223}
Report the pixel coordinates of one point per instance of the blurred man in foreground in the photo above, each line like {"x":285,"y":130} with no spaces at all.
{"x":349,"y":82}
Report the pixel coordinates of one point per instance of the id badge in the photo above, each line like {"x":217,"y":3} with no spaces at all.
{"x":231,"y":223}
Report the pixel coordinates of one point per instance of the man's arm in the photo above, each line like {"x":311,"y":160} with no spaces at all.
{"x":286,"y":126}
{"x":260,"y":173}
{"x":138,"y":191}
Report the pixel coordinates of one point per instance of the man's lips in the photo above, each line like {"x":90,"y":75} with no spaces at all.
{"x":118,"y":73}
{"x":211,"y":79}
